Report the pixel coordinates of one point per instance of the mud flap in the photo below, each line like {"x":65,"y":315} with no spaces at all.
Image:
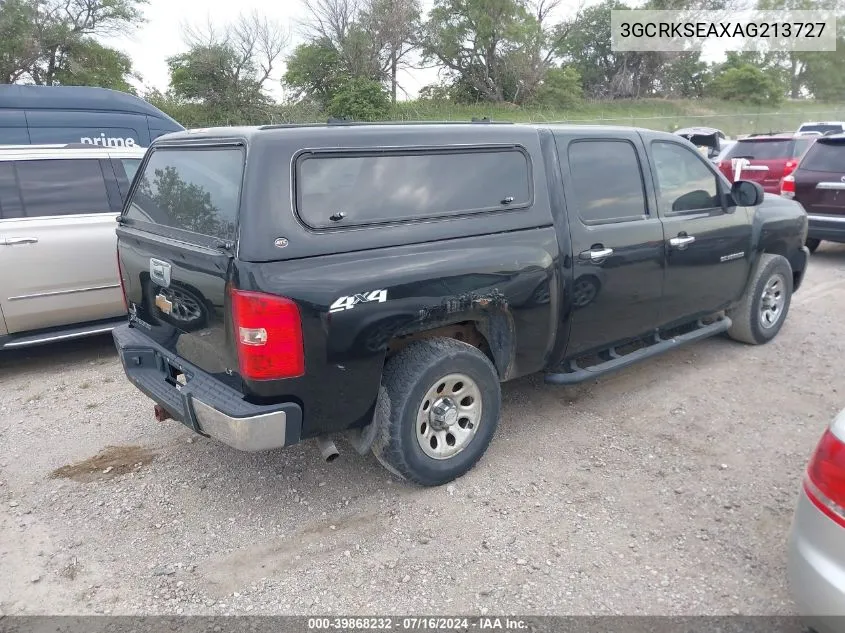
{"x":362,"y":439}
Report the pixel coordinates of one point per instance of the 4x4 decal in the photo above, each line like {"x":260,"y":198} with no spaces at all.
{"x":347,"y":303}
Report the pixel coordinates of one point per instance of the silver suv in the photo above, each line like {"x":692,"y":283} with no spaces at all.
{"x":58,"y":268}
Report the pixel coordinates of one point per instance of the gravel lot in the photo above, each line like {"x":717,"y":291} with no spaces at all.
{"x":664,"y":489}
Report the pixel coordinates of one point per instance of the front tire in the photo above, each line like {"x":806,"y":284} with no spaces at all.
{"x":442,"y":407}
{"x":762,"y":310}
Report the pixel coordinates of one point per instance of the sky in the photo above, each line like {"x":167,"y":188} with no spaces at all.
{"x":161,"y":36}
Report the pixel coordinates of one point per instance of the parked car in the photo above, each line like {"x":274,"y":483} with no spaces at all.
{"x":58,"y":274}
{"x":380,"y":281}
{"x":822,"y":127}
{"x":765,"y":159}
{"x":709,"y":140}
{"x":819,"y":185}
{"x":816,"y":548}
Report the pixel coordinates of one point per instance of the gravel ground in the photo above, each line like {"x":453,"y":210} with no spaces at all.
{"x":664,"y":489}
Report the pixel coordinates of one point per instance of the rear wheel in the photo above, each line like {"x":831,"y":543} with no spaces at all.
{"x":763,"y":309}
{"x":444,"y":403}
{"x":812,"y":243}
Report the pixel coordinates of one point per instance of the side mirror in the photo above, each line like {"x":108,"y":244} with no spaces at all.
{"x":747,"y":194}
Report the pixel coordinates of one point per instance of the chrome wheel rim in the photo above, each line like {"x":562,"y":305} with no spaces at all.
{"x":772,"y":301}
{"x":448,"y":417}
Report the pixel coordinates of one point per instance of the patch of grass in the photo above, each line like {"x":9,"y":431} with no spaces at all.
{"x":92,"y":405}
{"x":108,"y":379}
{"x":659,"y":114}
{"x":85,"y":385}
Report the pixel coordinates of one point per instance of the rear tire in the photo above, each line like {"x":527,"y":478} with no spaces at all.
{"x":760,"y":314}
{"x":442,"y":407}
{"x":812,"y":244}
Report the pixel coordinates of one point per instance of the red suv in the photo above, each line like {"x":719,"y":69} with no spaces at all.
{"x":767,"y":159}
{"x":819,"y":185}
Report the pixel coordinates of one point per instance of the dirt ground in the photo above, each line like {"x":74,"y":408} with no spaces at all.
{"x":664,"y":489}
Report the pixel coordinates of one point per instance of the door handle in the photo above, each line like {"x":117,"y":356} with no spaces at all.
{"x":11,"y":241}
{"x":682,"y":241}
{"x":597,"y":254}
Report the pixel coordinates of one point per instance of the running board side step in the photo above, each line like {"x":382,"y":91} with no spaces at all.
{"x":575,"y":374}
{"x":55,"y":335}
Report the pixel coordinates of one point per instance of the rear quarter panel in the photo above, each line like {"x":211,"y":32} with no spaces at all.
{"x":507,"y":285}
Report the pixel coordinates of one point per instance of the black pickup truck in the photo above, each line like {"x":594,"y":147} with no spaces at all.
{"x":380,"y":281}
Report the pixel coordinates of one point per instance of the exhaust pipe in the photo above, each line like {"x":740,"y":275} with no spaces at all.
{"x":160,"y":413}
{"x":328,"y":451}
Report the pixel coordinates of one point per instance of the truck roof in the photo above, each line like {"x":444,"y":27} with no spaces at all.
{"x":251,"y":132}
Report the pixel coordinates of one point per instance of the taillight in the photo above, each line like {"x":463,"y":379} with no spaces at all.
{"x":790,"y":166}
{"x":787,"y":186}
{"x":268,"y":333}
{"x":824,"y":482}
{"x":122,"y":282}
{"x":725,"y":167}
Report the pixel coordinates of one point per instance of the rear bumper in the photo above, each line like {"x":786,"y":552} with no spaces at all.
{"x":203,"y":403}
{"x":816,"y":567}
{"x":824,"y":227}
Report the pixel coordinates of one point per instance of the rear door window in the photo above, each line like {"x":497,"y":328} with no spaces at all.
{"x":762,"y":150}
{"x":825,"y":155}
{"x":607,"y":181}
{"x":196,"y":190}
{"x":335,"y":190}
{"x":62,"y":187}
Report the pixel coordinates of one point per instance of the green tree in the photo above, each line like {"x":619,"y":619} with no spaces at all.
{"x":498,"y":49}
{"x":315,"y":70}
{"x":225,"y":72}
{"x":362,"y":100}
{"x":44,"y":41}
{"x":19,"y":46}
{"x":89,"y":63}
{"x":747,"y":83}
{"x":561,"y":88}
{"x":818,"y":73}
{"x":372,"y":39}
{"x":393,"y":26}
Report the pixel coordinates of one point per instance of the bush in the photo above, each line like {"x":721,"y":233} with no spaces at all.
{"x":561,"y":88}
{"x":361,"y":100}
{"x":749,"y":84}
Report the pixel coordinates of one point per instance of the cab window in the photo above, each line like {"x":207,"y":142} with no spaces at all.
{"x":684,"y":183}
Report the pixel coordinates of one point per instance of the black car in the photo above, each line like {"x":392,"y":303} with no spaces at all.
{"x":818,"y":183}
{"x":380,"y":281}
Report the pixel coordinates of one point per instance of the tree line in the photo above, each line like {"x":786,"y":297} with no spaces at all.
{"x":350,"y":57}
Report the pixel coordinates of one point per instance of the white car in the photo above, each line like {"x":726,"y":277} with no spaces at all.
{"x":821,"y":128}
{"x":58,"y":265}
